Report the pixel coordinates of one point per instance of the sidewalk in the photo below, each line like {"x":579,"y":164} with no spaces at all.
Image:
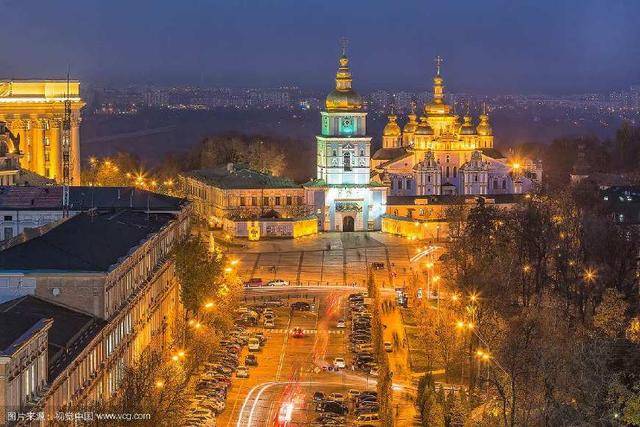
{"x":404,"y":391}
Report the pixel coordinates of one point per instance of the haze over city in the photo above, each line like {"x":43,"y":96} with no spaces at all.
{"x":490,"y":47}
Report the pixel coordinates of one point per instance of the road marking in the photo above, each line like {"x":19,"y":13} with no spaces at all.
{"x":284,"y":348}
{"x":255,"y":265}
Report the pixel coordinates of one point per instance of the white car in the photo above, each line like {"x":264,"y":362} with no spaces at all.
{"x":242,"y":372}
{"x":269,"y":323}
{"x":278,"y":282}
{"x":341,"y":324}
{"x":254,"y":344}
{"x":339,"y":363}
{"x":388,"y":347}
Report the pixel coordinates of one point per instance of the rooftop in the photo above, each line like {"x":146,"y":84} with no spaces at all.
{"x":70,"y":333}
{"x":85,"y":198}
{"x":89,"y":241}
{"x":238,"y":177}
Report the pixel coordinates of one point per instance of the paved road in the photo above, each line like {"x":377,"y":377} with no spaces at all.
{"x":328,"y":258}
{"x":290,"y":369}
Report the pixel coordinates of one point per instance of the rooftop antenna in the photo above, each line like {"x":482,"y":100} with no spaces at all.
{"x":66,"y":148}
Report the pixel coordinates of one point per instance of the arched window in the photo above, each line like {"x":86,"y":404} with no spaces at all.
{"x":428,"y":178}
{"x":335,"y":153}
{"x":408,"y":184}
{"x":495,"y":183}
{"x":504,"y":184}
{"x":455,"y":171}
{"x":475,"y":177}
{"x":447,"y":173}
{"x":347,"y":161}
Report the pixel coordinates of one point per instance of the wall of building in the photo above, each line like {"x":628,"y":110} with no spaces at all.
{"x":14,"y":222}
{"x":415,"y":229}
{"x":286,"y":228}
{"x":148,"y":320}
{"x":23,"y":374}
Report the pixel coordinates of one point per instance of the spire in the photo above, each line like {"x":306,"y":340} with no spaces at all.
{"x":343,"y":76}
{"x":438,"y":86}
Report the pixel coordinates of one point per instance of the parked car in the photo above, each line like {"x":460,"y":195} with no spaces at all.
{"x":268,"y":323}
{"x":298,"y":333}
{"x":301,"y":306}
{"x":332,"y":406}
{"x":318,"y":396}
{"x":254,"y":344}
{"x":388,"y":347}
{"x":339,"y":363}
{"x":337,"y":397}
{"x":340,"y":323}
{"x":242,"y":372}
{"x":251,"y":360}
{"x":254,"y":282}
{"x":278,"y":282}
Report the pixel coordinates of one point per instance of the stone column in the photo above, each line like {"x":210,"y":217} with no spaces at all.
{"x":55,"y":149}
{"x":37,"y":145}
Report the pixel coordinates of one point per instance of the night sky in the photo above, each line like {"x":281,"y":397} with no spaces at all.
{"x":509,"y":46}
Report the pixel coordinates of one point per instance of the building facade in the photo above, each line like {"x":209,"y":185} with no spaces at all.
{"x":112,"y":268}
{"x":33,"y":110}
{"x":343,"y":195}
{"x":439,"y":155}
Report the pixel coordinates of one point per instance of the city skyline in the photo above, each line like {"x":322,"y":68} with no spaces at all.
{"x":551,"y":48}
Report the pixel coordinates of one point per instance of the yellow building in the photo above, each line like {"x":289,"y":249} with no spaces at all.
{"x":34,"y":111}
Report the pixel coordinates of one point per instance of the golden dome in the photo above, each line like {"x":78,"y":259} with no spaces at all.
{"x":392,"y":128}
{"x":423,"y":127}
{"x":484,"y":128}
{"x":467,"y":127}
{"x":343,"y":97}
{"x":412,"y":124}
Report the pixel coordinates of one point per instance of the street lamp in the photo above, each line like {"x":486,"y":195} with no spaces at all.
{"x":589,"y":275}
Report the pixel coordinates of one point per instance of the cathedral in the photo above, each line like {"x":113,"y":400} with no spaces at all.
{"x":437,"y":155}
{"x":433,"y":155}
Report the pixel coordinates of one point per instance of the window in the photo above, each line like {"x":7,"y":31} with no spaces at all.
{"x":8,"y":232}
{"x":495,"y":183}
{"x":408,"y":184}
{"x":299,"y":200}
{"x":475,"y":177}
{"x":265,"y":201}
{"x":393,"y":184}
{"x":288,"y":200}
{"x":8,"y":217}
{"x":277,"y":200}
{"x":347,"y":162}
{"x":447,"y":171}
{"x":421,"y":212}
{"x":242,"y":201}
{"x":361,"y":153}
{"x":335,"y":153}
{"x":455,"y":171}
{"x":254,"y":201}
{"x":428,"y":178}
{"x":504,"y":184}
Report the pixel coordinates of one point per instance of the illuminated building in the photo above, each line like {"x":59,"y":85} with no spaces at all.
{"x":106,"y":282}
{"x":33,"y":111}
{"x":343,"y":195}
{"x":436,"y":154}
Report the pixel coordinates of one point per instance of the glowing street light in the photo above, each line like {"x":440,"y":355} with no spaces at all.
{"x":159,"y":384}
{"x":589,"y":275}
{"x":208,"y":305}
{"x":473,"y":297}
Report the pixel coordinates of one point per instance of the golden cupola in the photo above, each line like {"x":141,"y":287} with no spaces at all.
{"x":467,"y":127}
{"x":392,"y":128}
{"x":484,"y":128}
{"x":412,"y":124}
{"x":437,"y":107}
{"x":343,"y":97}
{"x":424,"y":128}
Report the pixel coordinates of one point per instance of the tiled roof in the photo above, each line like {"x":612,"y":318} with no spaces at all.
{"x":240,"y":178}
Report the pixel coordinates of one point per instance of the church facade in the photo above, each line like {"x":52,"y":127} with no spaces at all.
{"x":437,"y":154}
{"x":343,"y":194}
